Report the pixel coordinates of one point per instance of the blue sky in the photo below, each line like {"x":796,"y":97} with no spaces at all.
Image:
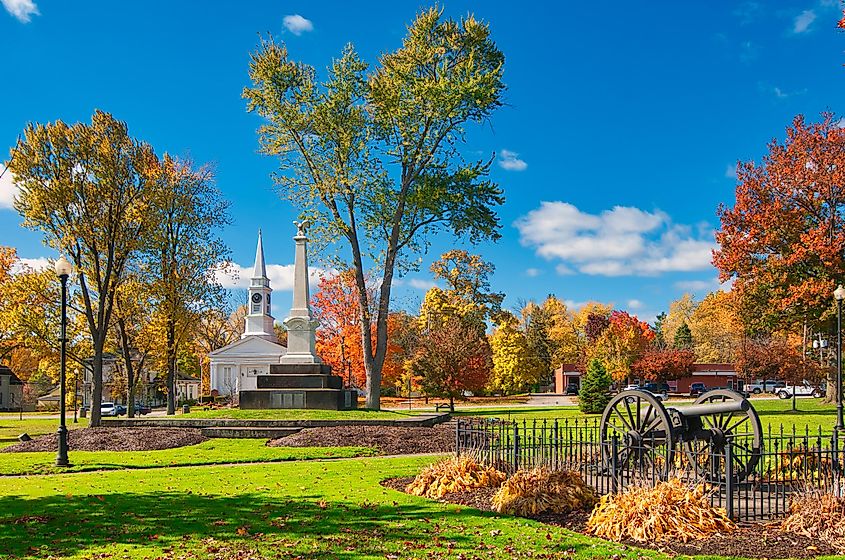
{"x":622,"y":124}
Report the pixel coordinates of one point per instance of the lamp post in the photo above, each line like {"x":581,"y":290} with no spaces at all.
{"x":63,"y":270}
{"x":839,"y":294}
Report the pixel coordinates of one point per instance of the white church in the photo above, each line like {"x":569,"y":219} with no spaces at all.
{"x":234,"y":368}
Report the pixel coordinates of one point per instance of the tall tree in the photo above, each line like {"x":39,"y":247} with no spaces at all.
{"x":515,"y":368}
{"x":452,"y":359}
{"x":783,"y":242}
{"x":372,"y":156}
{"x":83,"y":186}
{"x":594,"y":393}
{"x":537,"y":322}
{"x":183,"y":251}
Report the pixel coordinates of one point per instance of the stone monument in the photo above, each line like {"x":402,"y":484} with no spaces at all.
{"x":301,"y":379}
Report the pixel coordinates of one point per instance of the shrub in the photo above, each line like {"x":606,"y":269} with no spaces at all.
{"x":671,"y":511}
{"x":593,"y":396}
{"x":456,"y":474}
{"x":818,"y":516}
{"x":529,"y":492}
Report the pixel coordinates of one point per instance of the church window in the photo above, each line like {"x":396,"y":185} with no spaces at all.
{"x":256,"y":308}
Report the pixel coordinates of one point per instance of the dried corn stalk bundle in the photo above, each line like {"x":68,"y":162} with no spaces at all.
{"x":456,"y":474}
{"x":669,"y":511}
{"x":529,"y":492}
{"x":818,"y":516}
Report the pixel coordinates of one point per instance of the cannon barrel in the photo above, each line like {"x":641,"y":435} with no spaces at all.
{"x":708,"y":409}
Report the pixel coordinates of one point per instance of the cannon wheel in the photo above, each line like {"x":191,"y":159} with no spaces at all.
{"x":643,"y":431}
{"x":741,"y":430}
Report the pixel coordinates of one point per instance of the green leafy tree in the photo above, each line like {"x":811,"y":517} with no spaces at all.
{"x":595,"y":384}
{"x":372,"y":155}
{"x":683,"y":337}
{"x":537,"y":322}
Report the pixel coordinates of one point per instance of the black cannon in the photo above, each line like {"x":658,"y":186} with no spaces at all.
{"x":640,"y":434}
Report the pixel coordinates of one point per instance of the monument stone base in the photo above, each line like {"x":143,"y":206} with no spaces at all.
{"x":299,"y":386}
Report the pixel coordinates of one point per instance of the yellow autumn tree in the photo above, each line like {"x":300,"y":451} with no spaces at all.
{"x":680,"y":312}
{"x":515,"y":368}
{"x":716,"y":328}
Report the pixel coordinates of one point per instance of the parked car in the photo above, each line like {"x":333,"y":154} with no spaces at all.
{"x":764,"y":386}
{"x":742,"y":392}
{"x":109,"y":409}
{"x":802,"y":390}
{"x":631,"y":387}
{"x":657,"y":388}
{"x":571,"y":389}
{"x":659,"y":396}
{"x":142,"y":409}
{"x":697,"y":388}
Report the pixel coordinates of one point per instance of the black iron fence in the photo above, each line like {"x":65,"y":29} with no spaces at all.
{"x":750,"y":484}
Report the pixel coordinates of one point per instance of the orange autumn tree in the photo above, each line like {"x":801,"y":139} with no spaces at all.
{"x":783,"y":242}
{"x":335,"y":305}
{"x":623,"y":342}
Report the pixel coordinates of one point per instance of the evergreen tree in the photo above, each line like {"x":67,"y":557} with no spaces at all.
{"x":683,"y":337}
{"x":660,"y":331}
{"x":593,"y":396}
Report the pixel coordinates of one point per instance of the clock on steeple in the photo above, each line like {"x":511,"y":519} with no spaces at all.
{"x":259,"y":322}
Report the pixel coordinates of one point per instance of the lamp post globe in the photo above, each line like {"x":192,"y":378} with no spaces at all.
{"x":839,"y":295}
{"x":63,"y":271}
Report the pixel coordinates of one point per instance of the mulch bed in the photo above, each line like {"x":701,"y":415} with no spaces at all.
{"x":751,"y":540}
{"x":389,"y":440}
{"x":113,"y":439}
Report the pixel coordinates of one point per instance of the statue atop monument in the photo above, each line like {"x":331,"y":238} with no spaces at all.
{"x":302,"y":227}
{"x":300,"y":323}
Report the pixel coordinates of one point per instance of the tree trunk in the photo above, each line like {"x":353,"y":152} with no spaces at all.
{"x":171,"y":368}
{"x":97,"y":395}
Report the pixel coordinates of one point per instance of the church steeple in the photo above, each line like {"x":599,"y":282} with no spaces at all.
{"x":258,"y":320}
{"x":258,"y":271}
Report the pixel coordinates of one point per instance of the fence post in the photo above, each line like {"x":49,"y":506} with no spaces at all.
{"x":729,"y":480}
{"x":614,"y":462}
{"x":516,"y":445}
{"x":837,"y":490}
{"x":458,"y":437}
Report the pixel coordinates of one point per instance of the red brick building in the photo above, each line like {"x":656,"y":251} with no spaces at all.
{"x":712,"y":375}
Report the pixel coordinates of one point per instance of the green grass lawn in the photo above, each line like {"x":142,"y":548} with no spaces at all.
{"x":811,"y":414}
{"x":308,"y":510}
{"x":214,"y":451}
{"x":297,"y":414}
{"x":11,"y":427}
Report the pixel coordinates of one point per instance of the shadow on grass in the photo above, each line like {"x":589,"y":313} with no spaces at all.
{"x":223,"y":525}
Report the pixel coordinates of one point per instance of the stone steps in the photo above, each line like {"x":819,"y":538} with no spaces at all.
{"x":243,"y":432}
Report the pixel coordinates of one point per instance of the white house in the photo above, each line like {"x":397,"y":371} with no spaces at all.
{"x":11,"y":389}
{"x":234,"y":367}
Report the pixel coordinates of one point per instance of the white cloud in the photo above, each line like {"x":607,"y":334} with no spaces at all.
{"x":280,"y":275}
{"x":23,"y":10}
{"x":635,"y":304}
{"x":703,"y":286}
{"x":38,"y":263}
{"x":730,"y":171}
{"x":533,"y":272}
{"x":8,"y":190}
{"x":510,"y":161}
{"x":802,"y":22}
{"x":421,"y":283}
{"x":623,"y":241}
{"x":297,"y":24}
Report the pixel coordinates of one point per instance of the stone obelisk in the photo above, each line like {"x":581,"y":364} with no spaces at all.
{"x":300,"y":323}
